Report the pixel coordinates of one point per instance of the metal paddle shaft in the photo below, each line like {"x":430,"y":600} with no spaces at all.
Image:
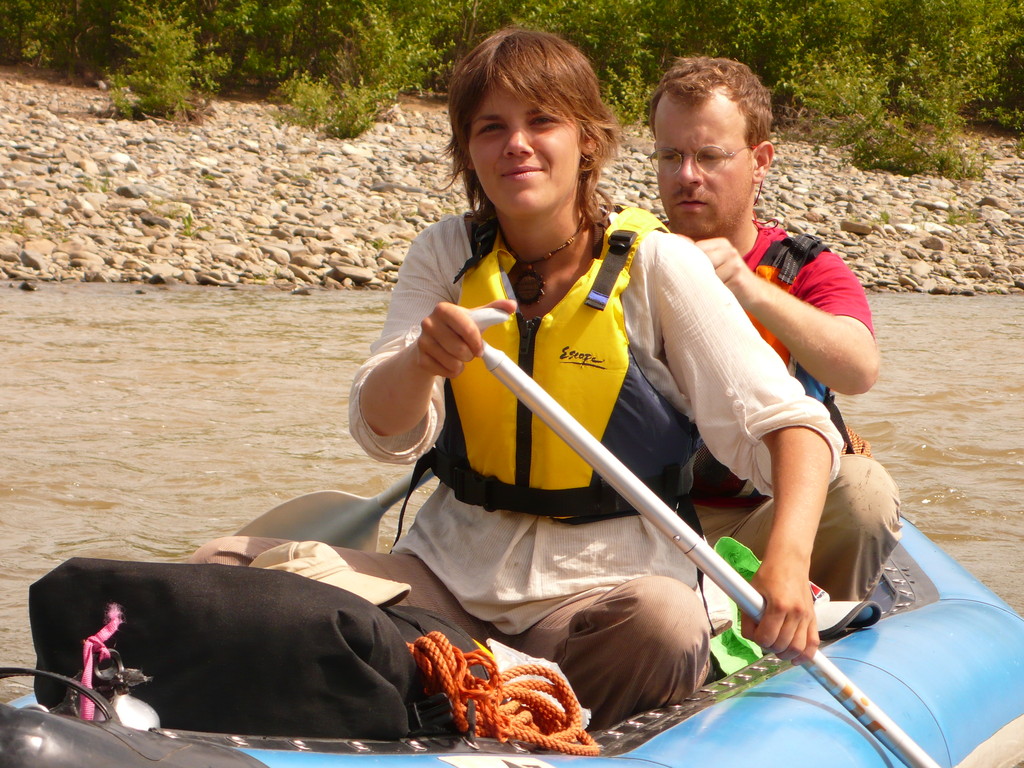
{"x":645,"y":501}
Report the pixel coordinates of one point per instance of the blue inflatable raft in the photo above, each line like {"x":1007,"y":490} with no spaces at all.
{"x":946,"y":663}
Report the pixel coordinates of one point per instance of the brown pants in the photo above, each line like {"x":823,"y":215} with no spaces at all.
{"x":860,"y":526}
{"x":641,"y":645}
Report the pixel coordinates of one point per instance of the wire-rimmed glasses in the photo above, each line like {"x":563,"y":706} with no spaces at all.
{"x":709,"y":159}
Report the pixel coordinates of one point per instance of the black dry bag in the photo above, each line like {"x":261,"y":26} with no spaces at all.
{"x":231,"y":649}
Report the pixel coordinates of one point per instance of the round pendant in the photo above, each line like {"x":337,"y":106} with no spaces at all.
{"x":529,"y":287}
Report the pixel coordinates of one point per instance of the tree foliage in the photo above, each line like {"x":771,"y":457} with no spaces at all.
{"x":898,"y":80}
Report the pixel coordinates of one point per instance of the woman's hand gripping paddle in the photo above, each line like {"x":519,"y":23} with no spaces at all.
{"x":647,"y":503}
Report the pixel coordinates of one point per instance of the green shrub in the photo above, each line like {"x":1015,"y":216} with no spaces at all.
{"x":889,"y":145}
{"x":341,"y":113}
{"x":358,"y":107}
{"x":627,"y":91}
{"x":161,"y":77}
{"x":1001,"y":99}
{"x":20,"y":27}
{"x":310,"y":102}
{"x":389,"y":48}
{"x":385,"y":52}
{"x":890,"y":118}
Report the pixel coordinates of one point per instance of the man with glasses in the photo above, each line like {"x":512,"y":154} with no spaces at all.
{"x":711,"y":120}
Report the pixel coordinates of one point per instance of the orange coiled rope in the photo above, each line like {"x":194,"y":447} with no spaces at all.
{"x":505,"y":707}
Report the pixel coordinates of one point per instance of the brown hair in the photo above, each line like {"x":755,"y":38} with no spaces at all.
{"x":694,"y":80}
{"x":538,"y":68}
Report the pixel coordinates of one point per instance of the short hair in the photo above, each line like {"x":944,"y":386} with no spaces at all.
{"x":693,"y":80}
{"x":539,"y":68}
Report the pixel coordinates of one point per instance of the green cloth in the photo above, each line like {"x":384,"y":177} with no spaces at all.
{"x":730,"y":649}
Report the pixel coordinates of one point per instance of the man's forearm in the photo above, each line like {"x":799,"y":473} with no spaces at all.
{"x":801,"y":460}
{"x":838,"y":351}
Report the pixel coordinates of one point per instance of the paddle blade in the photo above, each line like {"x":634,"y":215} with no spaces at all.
{"x":335,"y":517}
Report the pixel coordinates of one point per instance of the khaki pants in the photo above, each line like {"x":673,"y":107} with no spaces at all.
{"x":860,"y":526}
{"x":641,"y":645}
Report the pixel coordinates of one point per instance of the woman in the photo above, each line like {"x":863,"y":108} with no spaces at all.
{"x":633,"y":332}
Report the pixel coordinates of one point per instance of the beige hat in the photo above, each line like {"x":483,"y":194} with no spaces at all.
{"x":319,"y":561}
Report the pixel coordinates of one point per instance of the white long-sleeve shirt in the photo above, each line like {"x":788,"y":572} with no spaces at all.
{"x":695,"y":345}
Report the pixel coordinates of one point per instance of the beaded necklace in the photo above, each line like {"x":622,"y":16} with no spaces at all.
{"x":529,"y":286}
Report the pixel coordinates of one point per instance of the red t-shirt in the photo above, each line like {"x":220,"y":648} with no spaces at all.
{"x":826,"y":282}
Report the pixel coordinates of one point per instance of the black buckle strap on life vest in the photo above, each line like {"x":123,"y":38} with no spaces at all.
{"x":677,"y":482}
{"x":481,"y":242}
{"x":470,"y":487}
{"x":620,"y":242}
{"x":837,"y":419}
{"x":688,"y":514}
{"x":423,"y":464}
{"x":673,"y":488}
{"x":791,"y":254}
{"x":571,"y":506}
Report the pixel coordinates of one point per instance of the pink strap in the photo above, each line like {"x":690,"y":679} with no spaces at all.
{"x":97,"y":646}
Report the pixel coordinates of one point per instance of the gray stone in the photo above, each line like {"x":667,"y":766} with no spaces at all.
{"x":395,"y":256}
{"x":44,"y":247}
{"x":933,"y":205}
{"x":133,"y":191}
{"x":920,"y":268}
{"x":279,"y":255}
{"x":937,"y":229}
{"x":856,"y":227}
{"x":163,"y":270}
{"x":34,"y":260}
{"x":358,"y":275}
{"x":84,"y":260}
{"x":38,"y":212}
{"x":152,"y":220}
{"x":908,"y":282}
{"x":306,"y":260}
{"x":993,"y":201}
{"x":301,"y":274}
{"x":227,"y":250}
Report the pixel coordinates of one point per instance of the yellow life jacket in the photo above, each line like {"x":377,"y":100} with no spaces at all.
{"x":494,"y":453}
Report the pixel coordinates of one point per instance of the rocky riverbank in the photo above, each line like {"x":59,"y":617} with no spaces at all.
{"x":244,"y":199}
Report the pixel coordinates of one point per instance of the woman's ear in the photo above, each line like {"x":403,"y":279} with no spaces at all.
{"x":587,"y":148}
{"x":588,"y":145}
